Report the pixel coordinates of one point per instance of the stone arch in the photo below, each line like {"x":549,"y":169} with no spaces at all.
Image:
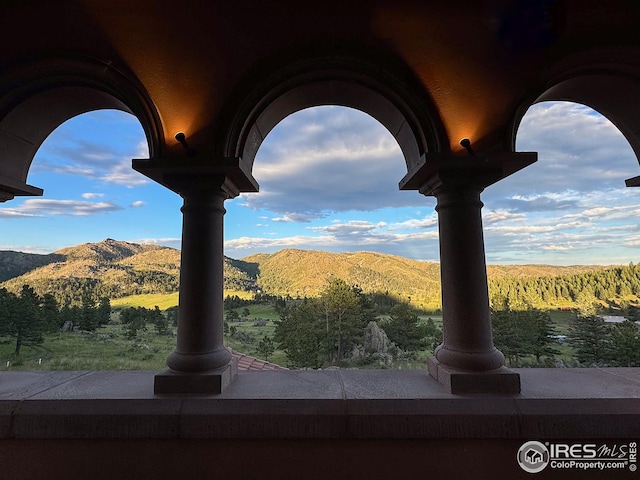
{"x":37,"y":97}
{"x":384,"y":90}
{"x":604,"y":82}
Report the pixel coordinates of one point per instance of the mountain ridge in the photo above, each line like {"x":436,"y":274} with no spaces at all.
{"x":110,"y":268}
{"x":115,"y":269}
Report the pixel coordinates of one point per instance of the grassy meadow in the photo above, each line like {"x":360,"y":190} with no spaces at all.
{"x":108,"y":348}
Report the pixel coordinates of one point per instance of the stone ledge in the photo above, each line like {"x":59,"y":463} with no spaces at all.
{"x":364,"y":404}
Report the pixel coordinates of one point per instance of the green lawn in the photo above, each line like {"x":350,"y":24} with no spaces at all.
{"x":106,"y":349}
{"x":563,"y":320}
{"x":163,"y":300}
{"x":109,"y":349}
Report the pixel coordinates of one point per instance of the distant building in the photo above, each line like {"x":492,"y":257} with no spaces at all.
{"x":613,"y":318}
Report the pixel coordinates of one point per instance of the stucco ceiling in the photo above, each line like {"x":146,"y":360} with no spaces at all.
{"x":479,"y":63}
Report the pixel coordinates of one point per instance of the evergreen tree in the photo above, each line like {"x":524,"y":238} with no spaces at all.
{"x":404,"y":329}
{"x":586,"y":301}
{"x":538,"y":334}
{"x":300,"y":333}
{"x":104,"y":311}
{"x":633,"y":313}
{"x":232,"y":316}
{"x":625,"y":345}
{"x":133,"y":319}
{"x":266,"y":347}
{"x":159,"y":321}
{"x":22,"y":317}
{"x":172,"y":315}
{"x":50,"y":313}
{"x":88,"y":313}
{"x":518,"y":333}
{"x":507,"y":335}
{"x":590,"y":337}
{"x":343,"y":316}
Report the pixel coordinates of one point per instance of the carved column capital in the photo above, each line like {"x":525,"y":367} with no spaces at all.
{"x":189,"y":175}
{"x":437,"y":172}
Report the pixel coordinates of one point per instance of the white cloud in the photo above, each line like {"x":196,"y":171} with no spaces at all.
{"x":172,"y":242}
{"x":351,"y":228}
{"x":262,"y":244}
{"x":46,"y":207}
{"x":90,"y":195}
{"x":352,"y":235}
{"x":123,"y":174}
{"x":93,"y":155}
{"x":578,"y":151}
{"x":329,"y":160}
{"x":416,"y":224}
{"x":496,"y":216}
{"x":38,"y":249}
{"x":299,"y":217}
{"x":560,"y":248}
{"x":571,"y":203}
{"x":17,"y":212}
{"x":138,"y":203}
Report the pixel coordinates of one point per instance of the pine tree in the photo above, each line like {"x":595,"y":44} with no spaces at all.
{"x":344,"y":320}
{"x":266,"y":347}
{"x":590,"y":337}
{"x":625,"y":345}
{"x":88,"y":313}
{"x":50,"y":313}
{"x":300,"y":333}
{"x":103,"y":311}
{"x":518,"y":333}
{"x":404,"y":329}
{"x":538,"y":333}
{"x":22,"y":318}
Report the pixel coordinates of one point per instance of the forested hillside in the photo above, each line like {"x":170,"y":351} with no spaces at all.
{"x":14,"y":264}
{"x":305,"y":273}
{"x":115,"y":269}
{"x":614,"y":284}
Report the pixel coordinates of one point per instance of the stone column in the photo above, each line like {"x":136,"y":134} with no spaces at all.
{"x":467,"y":360}
{"x":200,"y":343}
{"x":200,"y":362}
{"x":467,"y":339}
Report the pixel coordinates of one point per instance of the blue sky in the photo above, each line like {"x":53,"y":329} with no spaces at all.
{"x":328,"y":181}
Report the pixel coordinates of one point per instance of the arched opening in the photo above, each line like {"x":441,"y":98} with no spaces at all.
{"x":613,"y":94}
{"x":571,"y":207}
{"x":329,"y":208}
{"x":84,"y":166}
{"x":329,"y":181}
{"x":378,"y":86}
{"x":68,"y":252}
{"x":40,"y":95}
{"x":571,"y":216}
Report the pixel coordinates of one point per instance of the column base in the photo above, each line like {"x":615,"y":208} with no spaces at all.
{"x":211,"y":382}
{"x":457,"y":381}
